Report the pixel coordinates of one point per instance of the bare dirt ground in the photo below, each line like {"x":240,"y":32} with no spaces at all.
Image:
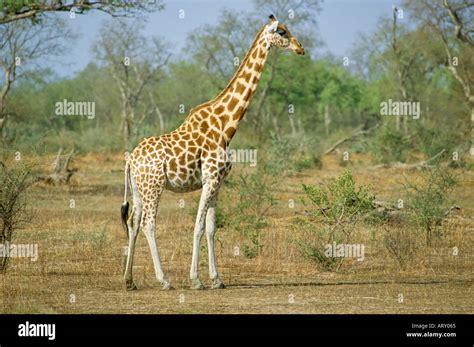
{"x":79,"y":269}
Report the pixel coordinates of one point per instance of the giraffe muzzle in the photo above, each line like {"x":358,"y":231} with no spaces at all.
{"x":297,"y":47}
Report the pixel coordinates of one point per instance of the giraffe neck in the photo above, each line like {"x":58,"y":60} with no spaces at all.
{"x":232,"y":103}
{"x":227,"y":109}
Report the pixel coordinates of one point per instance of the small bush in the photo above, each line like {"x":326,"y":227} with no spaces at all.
{"x":313,"y":249}
{"x":255,"y":198}
{"x":307,"y":162}
{"x":432,"y":141}
{"x":280,"y":158}
{"x":255,"y":247}
{"x":401,"y":246}
{"x":341,"y":200}
{"x":14,"y":182}
{"x":97,"y":239}
{"x":428,"y":200}
{"x":335,"y":209}
{"x":389,"y":145}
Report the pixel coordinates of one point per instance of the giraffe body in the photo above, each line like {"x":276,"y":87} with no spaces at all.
{"x":195,"y":156}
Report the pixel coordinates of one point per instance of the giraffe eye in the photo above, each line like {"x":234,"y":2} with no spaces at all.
{"x":281,"y":32}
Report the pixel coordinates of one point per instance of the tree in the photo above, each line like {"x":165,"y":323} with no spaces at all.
{"x":312,"y":87}
{"x":451,"y":22}
{"x":406,"y":62}
{"x":14,"y":10}
{"x":134,"y":62}
{"x":22,"y":45}
{"x":402,"y":67}
{"x":185,"y":85}
{"x":221,"y":48}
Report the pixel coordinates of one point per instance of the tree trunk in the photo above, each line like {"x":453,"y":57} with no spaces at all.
{"x":261,"y":101}
{"x":405,"y":98}
{"x":327,"y":119}
{"x":161,"y":120}
{"x":3,"y":127}
{"x":126,"y":130}
{"x":292,"y":125}
{"x":472,"y":127}
{"x":275,"y":125}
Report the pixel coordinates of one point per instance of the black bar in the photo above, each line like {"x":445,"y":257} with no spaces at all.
{"x":361,"y":328}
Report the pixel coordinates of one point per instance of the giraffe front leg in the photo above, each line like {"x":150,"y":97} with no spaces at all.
{"x":208,"y":191}
{"x":210,"y":232}
{"x":198,"y":231}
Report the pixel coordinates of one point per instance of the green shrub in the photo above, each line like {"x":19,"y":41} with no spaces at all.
{"x":428,"y":201}
{"x":341,"y":200}
{"x":280,"y":156}
{"x":334,"y":210}
{"x":389,"y":145}
{"x":255,"y":246}
{"x":97,"y":238}
{"x":255,"y":198}
{"x":307,"y":162}
{"x":432,"y":141}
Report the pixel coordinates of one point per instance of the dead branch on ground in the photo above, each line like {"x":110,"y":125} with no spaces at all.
{"x":61,"y":173}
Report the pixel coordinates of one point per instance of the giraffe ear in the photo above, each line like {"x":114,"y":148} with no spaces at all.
{"x":272,"y":27}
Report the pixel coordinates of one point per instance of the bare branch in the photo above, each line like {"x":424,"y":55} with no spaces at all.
{"x":421,"y":165}
{"x":359,"y":132}
{"x":13,"y":12}
{"x":458,"y":24}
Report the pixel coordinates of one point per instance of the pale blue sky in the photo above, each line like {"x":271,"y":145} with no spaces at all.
{"x":340,"y":22}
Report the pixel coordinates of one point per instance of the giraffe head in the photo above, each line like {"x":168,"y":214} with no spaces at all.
{"x":278,"y":35}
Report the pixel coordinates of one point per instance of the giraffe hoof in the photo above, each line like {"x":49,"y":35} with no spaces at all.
{"x":217,"y":284}
{"x":130,"y":285}
{"x":196,"y":284}
{"x":167,"y":286}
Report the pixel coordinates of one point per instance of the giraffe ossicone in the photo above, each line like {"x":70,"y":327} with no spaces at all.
{"x":195,"y":156}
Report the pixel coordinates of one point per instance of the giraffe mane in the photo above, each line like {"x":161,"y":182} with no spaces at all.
{"x":234,"y":77}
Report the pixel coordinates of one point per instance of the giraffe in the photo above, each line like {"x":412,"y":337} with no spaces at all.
{"x":194,"y":156}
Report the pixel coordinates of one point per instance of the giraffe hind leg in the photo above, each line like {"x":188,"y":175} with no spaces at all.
{"x":148,"y":224}
{"x":133,"y":225}
{"x":149,"y":229}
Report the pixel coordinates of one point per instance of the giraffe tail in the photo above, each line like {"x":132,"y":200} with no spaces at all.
{"x":125,"y":205}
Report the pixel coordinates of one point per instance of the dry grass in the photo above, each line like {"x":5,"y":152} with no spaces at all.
{"x":80,"y":255}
